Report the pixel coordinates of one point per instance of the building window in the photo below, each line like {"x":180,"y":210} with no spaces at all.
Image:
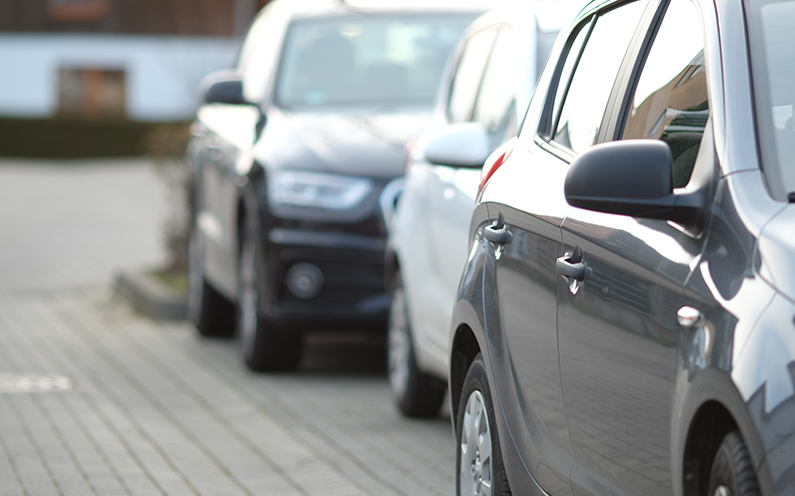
{"x":92,"y":92}
{"x":77,"y":10}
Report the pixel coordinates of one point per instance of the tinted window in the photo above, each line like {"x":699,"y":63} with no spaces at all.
{"x":496,"y":101}
{"x":670,"y":102}
{"x":586,"y":100}
{"x":468,"y":75}
{"x":772,"y":37}
{"x":365,"y":60}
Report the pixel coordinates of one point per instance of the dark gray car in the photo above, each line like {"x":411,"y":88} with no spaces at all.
{"x":289,"y":156}
{"x":624,"y":323}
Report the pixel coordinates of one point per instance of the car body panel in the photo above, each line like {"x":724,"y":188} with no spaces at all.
{"x":634,"y":380}
{"x":430,"y":228}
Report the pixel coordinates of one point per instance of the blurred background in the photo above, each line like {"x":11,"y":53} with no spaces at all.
{"x":96,"y":78}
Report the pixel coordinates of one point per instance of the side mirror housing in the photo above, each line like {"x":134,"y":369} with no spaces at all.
{"x":459,"y":145}
{"x":223,"y":87}
{"x":633,"y":177}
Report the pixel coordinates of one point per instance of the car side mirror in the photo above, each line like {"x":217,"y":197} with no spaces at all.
{"x":459,"y":145}
{"x":223,"y":87}
{"x":633,"y":177}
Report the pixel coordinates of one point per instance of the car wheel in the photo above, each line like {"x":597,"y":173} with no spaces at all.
{"x":417,"y":394}
{"x":732,"y":471}
{"x":211,"y":313}
{"x":264,"y":345}
{"x":481,"y":470}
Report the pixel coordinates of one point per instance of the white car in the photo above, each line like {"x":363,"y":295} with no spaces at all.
{"x":483,"y":96}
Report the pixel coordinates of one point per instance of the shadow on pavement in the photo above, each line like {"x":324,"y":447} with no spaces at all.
{"x":339,"y":353}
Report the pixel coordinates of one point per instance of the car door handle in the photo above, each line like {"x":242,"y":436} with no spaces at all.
{"x":497,"y":235}
{"x":573,"y":270}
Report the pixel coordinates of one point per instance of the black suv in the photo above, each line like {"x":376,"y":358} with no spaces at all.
{"x":289,"y":156}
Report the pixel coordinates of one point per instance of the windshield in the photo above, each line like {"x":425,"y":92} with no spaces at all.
{"x":354,"y":61}
{"x":772,"y":37}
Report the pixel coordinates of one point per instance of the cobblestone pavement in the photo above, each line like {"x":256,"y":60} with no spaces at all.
{"x":152,"y":408}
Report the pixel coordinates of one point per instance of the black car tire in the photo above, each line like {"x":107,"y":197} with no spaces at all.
{"x":476,"y":409}
{"x":208,"y":310}
{"x":732,"y":471}
{"x":264,"y":345}
{"x":416,"y":393}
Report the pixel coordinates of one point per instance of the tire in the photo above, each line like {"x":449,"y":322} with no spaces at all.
{"x":208,"y":310}
{"x":264,"y":345}
{"x":732,"y":471}
{"x":417,"y":394}
{"x":481,"y":470}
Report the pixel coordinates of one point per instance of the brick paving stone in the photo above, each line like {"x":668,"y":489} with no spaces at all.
{"x":155,"y":409}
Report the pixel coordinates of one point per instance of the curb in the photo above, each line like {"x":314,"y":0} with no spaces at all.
{"x":149,"y":296}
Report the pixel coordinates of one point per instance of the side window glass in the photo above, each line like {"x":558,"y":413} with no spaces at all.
{"x":670,"y":101}
{"x":495,"y":106}
{"x":468,"y":75}
{"x":586,"y":100}
{"x":569,"y":66}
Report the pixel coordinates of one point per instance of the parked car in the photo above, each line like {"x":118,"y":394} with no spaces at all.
{"x":624,"y":322}
{"x":483,"y":97}
{"x":289,"y":156}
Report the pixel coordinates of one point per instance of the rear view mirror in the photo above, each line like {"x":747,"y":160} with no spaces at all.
{"x":459,"y":145}
{"x":223,"y":87}
{"x":632,"y":178}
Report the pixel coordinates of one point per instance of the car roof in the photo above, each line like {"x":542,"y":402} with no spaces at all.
{"x":303,"y":9}
{"x":547,"y":15}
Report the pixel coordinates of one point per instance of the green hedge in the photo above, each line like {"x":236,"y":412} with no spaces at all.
{"x":85,"y":138}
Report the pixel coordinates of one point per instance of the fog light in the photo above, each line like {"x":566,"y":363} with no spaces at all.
{"x":305,"y":280}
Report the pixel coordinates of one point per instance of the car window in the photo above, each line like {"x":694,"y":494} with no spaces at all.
{"x":468,"y":76}
{"x":261,"y":50}
{"x":595,"y":73}
{"x":771,"y":36}
{"x":495,"y":107}
{"x":374,"y":59}
{"x":670,"y":102}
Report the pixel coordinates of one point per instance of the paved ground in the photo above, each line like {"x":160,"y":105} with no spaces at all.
{"x":152,"y":408}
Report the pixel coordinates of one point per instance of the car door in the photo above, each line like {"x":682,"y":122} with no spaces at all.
{"x":452,"y":198}
{"x":439,"y":251}
{"x":526,"y":193}
{"x":617,"y":328}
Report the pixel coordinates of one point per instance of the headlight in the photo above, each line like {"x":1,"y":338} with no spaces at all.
{"x":310,"y":189}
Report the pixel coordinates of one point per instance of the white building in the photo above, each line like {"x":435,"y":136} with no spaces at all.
{"x":146,"y":78}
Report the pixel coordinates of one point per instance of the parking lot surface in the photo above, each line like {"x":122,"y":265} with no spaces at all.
{"x":97,"y":399}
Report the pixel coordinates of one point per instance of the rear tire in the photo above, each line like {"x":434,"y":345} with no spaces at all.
{"x":264,"y":345}
{"x":481,"y":469}
{"x":211,"y":313}
{"x":416,"y":393}
{"x":732,"y":471}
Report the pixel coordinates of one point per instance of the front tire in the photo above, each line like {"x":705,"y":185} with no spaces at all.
{"x":481,"y":470}
{"x":416,"y":393}
{"x":732,"y":471}
{"x":264,"y":345}
{"x":211,"y":313}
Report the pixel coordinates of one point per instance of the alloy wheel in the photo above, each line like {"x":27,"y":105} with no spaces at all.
{"x":475,"y":471}
{"x":247,"y":298}
{"x":399,"y":343}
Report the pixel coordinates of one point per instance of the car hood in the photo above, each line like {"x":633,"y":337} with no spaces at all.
{"x":776,"y":248}
{"x":354,"y":144}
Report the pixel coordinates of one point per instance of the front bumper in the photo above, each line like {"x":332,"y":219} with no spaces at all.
{"x":352,"y":295}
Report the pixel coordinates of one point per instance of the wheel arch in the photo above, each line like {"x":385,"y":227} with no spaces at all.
{"x":711,"y":407}
{"x":464,"y":349}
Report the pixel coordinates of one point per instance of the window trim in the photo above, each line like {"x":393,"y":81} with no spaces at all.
{"x":458,"y":56}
